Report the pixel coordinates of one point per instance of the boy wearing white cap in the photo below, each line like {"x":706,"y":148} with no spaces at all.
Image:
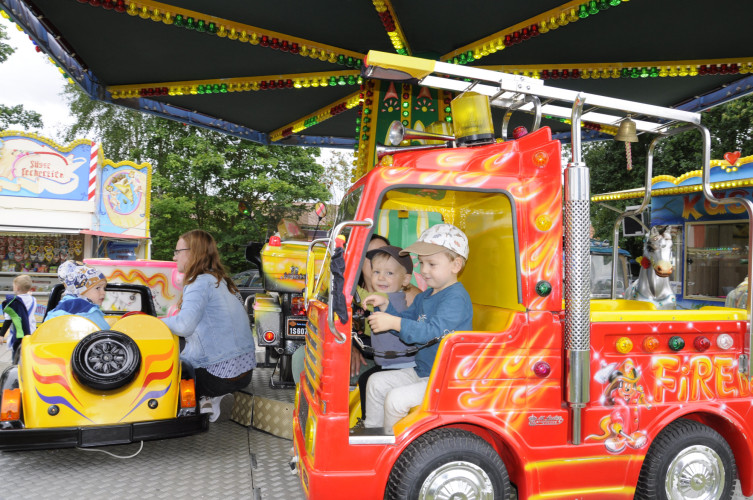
{"x":444,"y":307}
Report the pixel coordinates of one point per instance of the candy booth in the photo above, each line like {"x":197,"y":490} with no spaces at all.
{"x":66,"y":202}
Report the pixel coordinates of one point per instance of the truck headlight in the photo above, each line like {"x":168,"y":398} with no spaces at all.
{"x":310,"y":435}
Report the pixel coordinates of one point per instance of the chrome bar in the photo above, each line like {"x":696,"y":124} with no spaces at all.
{"x":319,"y":274}
{"x":746,"y":365}
{"x":578,"y":271}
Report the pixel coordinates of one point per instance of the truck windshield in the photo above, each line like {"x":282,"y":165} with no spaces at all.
{"x":348,"y":206}
{"x":601,"y":275}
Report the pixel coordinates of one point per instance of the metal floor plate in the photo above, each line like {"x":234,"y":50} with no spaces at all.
{"x":229,"y":461}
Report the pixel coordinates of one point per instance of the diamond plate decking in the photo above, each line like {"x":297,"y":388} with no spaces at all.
{"x":229,"y":461}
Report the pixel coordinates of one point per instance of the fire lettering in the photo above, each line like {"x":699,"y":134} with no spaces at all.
{"x":667,"y":374}
{"x":700,"y":374}
{"x":724,"y":380}
{"x":696,"y":379}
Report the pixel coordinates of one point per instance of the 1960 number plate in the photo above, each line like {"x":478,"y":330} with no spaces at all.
{"x":297,"y":327}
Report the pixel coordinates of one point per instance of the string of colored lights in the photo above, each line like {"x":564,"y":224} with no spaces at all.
{"x":5,"y":15}
{"x":365,"y":137}
{"x":241,"y":84}
{"x":638,"y":193}
{"x":643,"y":69}
{"x":318,"y":116}
{"x":392,"y":26}
{"x":552,"y":19}
{"x":244,"y":33}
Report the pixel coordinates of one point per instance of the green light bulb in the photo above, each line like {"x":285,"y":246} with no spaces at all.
{"x":543,"y":288}
{"x":676,"y":343}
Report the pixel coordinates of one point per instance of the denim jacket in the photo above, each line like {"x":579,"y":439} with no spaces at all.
{"x":214,"y":323}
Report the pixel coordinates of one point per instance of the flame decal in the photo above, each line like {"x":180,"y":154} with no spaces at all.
{"x":154,"y":376}
{"x":60,"y":378}
{"x":496,"y":162}
{"x":54,"y":400}
{"x":148,"y":396}
{"x":54,"y":379}
{"x":136,"y":276}
{"x":153,"y":358}
{"x":498,"y":377}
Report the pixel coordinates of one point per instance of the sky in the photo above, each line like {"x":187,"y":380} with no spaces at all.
{"x":29,"y":78}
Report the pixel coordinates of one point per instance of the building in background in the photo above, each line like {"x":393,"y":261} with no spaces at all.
{"x":67,"y":202}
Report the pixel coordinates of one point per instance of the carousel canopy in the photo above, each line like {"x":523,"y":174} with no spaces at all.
{"x":289,"y":72}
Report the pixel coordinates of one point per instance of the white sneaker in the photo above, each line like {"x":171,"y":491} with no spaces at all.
{"x":211,"y":406}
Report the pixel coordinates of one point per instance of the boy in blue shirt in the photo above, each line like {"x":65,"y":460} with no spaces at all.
{"x":444,"y":307}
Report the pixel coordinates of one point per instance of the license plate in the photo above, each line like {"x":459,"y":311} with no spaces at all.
{"x":297,"y":327}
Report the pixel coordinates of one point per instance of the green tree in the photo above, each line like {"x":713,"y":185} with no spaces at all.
{"x":338,"y":174}
{"x":731,"y":128}
{"x":200,"y":176}
{"x":15,"y":115}
{"x":5,"y":49}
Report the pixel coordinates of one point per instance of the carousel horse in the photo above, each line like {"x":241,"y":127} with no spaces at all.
{"x":653,"y":284}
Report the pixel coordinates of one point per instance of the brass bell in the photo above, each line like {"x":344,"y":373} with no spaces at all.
{"x":626,"y":131}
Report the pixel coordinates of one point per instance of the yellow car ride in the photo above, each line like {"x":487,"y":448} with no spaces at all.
{"x":77,"y":385}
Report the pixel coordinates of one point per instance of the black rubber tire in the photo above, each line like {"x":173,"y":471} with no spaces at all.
{"x":442,"y":448}
{"x":105,"y":360}
{"x":695,"y":442}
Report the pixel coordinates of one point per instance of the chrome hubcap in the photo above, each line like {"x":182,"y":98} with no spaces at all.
{"x":457,"y":481}
{"x":696,"y":473}
{"x":107,"y":357}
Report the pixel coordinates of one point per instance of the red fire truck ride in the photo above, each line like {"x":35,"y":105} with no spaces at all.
{"x":551,"y":395}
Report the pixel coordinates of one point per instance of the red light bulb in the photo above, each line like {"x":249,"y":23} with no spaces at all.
{"x":542,"y":369}
{"x":701,"y":343}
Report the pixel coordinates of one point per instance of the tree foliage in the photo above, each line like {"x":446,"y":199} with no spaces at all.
{"x":200,"y":176}
{"x":731,"y":128}
{"x":5,"y":49}
{"x":15,"y":115}
{"x":338,"y":174}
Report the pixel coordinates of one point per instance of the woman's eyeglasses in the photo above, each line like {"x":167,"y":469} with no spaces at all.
{"x":177,"y":251}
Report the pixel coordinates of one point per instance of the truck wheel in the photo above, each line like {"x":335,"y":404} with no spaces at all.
{"x":105,"y":360}
{"x":449,"y":463}
{"x":687,"y":460}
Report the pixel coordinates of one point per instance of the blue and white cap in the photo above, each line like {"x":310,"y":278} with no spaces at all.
{"x":78,"y":277}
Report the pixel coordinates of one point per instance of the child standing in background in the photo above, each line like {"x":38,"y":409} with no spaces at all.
{"x":19,"y":313}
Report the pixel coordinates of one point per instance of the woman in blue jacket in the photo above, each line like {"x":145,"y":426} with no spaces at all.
{"x":219,"y":342}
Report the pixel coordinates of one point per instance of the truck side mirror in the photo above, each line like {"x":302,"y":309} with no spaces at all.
{"x":253,"y":253}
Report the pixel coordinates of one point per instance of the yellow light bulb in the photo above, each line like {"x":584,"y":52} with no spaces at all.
{"x":543,"y":222}
{"x":624,"y":345}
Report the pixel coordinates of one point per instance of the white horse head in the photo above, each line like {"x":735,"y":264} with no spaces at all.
{"x":657,"y":251}
{"x":653,"y":284}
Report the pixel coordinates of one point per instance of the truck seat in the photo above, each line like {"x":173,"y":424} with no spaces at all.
{"x":491,"y":318}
